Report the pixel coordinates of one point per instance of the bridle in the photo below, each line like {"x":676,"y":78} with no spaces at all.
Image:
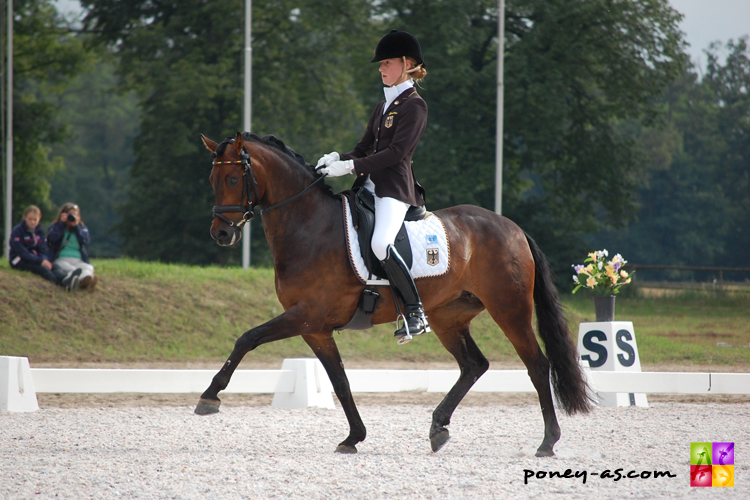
{"x":249,"y":184}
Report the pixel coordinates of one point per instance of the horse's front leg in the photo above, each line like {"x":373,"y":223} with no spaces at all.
{"x":325,"y":348}
{"x":287,"y":325}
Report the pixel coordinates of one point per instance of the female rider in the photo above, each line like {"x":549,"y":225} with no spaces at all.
{"x":382,"y":163}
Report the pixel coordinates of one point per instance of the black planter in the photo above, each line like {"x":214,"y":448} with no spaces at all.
{"x":605,"y":308}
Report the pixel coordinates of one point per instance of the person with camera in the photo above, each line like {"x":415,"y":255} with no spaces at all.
{"x":29,"y":252}
{"x":67,"y":239}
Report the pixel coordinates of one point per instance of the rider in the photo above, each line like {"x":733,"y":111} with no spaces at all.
{"x":382,"y":163}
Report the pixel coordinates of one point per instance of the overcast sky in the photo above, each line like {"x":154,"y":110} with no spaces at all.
{"x":705,"y":21}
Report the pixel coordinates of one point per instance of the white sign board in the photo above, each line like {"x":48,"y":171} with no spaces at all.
{"x":611,"y":346}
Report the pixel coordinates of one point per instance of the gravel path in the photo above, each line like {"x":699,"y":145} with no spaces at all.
{"x":263,"y":452}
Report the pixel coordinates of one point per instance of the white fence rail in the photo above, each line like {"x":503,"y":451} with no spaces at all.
{"x":54,"y":380}
{"x":303,"y":382}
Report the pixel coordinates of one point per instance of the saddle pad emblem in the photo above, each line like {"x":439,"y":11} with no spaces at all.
{"x":433,"y":256}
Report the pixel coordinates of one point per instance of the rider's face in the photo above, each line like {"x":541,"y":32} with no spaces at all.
{"x":391,"y":71}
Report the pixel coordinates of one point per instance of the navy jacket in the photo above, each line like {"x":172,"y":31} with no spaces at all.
{"x":55,"y":239}
{"x":387,"y":147}
{"x":27,"y":244}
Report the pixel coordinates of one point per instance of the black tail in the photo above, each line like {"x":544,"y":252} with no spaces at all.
{"x":567,"y":379}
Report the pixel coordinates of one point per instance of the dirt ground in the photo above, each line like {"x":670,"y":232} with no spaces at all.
{"x":120,"y":400}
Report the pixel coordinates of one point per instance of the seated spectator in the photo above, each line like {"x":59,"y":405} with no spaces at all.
{"x":28,"y":251}
{"x":67,"y":239}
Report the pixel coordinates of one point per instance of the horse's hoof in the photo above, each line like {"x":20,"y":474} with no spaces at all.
{"x":207,"y":406}
{"x":438,"y":440}
{"x":343,"y":448}
{"x":545,"y":453}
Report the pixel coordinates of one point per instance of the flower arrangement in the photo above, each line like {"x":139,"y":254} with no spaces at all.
{"x":604,"y":278}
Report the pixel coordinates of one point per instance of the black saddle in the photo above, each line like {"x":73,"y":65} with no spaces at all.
{"x":363,"y":215}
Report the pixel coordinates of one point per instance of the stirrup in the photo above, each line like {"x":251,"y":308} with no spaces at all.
{"x":405,"y":339}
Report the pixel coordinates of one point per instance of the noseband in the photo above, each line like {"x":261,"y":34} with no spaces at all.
{"x":250,"y":184}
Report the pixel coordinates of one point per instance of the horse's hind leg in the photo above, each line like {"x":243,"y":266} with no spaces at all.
{"x":515,"y":321}
{"x":451,"y":325}
{"x":325,"y":348}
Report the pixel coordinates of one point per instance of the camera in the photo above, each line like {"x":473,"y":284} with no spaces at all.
{"x":71,"y":217}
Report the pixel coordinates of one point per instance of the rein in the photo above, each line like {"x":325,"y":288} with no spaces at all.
{"x":248,"y":183}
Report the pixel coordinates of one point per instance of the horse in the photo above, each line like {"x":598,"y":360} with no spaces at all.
{"x":494,"y":265}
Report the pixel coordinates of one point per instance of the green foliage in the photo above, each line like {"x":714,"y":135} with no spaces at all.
{"x":46,"y":54}
{"x":696,"y":197}
{"x":98,"y":153}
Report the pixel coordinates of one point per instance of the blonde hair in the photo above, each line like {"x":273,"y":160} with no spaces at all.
{"x":32,"y":209}
{"x":417,"y":71}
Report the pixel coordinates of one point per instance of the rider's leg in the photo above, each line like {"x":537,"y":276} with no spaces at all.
{"x":389,"y":215}
{"x":403,"y":285}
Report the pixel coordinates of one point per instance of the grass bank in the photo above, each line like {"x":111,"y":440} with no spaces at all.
{"x":150,"y":312}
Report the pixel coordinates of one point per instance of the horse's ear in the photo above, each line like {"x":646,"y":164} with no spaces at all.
{"x":210,"y":145}
{"x":238,"y":143}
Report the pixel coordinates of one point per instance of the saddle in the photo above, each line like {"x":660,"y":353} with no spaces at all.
{"x":363,"y":217}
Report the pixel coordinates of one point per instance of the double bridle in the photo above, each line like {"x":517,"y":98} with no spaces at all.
{"x":249,"y":184}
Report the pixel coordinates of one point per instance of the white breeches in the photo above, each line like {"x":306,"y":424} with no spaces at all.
{"x":69,"y":264}
{"x":389,"y":215}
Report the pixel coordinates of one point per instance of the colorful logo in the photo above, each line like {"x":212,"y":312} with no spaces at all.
{"x":712,"y":464}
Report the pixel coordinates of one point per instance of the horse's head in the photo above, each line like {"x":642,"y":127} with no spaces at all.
{"x":235,"y":188}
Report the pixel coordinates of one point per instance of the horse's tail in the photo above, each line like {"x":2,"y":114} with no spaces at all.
{"x":567,"y":378}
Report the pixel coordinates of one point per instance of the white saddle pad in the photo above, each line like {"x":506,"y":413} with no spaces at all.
{"x":429,"y":247}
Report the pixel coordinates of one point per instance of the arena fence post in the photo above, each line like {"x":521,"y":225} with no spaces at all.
{"x":312,"y":386}
{"x":16,"y":386}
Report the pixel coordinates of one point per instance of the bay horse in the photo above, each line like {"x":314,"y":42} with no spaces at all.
{"x":494,"y":265}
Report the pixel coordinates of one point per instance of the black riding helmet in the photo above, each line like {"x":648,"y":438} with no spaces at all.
{"x":398,"y":44}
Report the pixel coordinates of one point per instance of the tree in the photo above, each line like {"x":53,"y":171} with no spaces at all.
{"x":184,"y":58}
{"x":99,"y":152}
{"x":46,"y":54}
{"x":696,"y":201}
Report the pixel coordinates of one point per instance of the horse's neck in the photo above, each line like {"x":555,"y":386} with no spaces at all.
{"x":302,"y":220}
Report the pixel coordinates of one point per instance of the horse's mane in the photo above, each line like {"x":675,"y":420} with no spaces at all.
{"x":275,"y":142}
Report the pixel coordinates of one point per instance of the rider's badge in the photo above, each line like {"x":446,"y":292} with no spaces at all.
{"x":433,"y":256}
{"x":389,"y":121}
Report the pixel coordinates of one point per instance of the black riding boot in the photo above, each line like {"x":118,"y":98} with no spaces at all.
{"x":402,"y":285}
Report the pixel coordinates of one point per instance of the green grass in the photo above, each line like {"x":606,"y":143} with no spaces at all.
{"x":150,"y":312}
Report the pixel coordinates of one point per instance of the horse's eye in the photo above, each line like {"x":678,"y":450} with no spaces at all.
{"x":232,"y":181}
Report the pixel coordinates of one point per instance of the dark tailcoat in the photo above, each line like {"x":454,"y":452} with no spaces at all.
{"x":385,"y":151}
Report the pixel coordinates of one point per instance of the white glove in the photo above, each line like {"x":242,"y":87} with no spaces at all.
{"x":328,"y":159}
{"x":338,"y":168}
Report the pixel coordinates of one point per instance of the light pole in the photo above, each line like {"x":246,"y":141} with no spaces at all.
{"x":9,"y":137}
{"x":248,"y":111}
{"x":499,"y":117}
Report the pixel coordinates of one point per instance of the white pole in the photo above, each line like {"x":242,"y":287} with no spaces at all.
{"x":499,"y":118}
{"x":9,"y":138}
{"x":248,"y":111}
